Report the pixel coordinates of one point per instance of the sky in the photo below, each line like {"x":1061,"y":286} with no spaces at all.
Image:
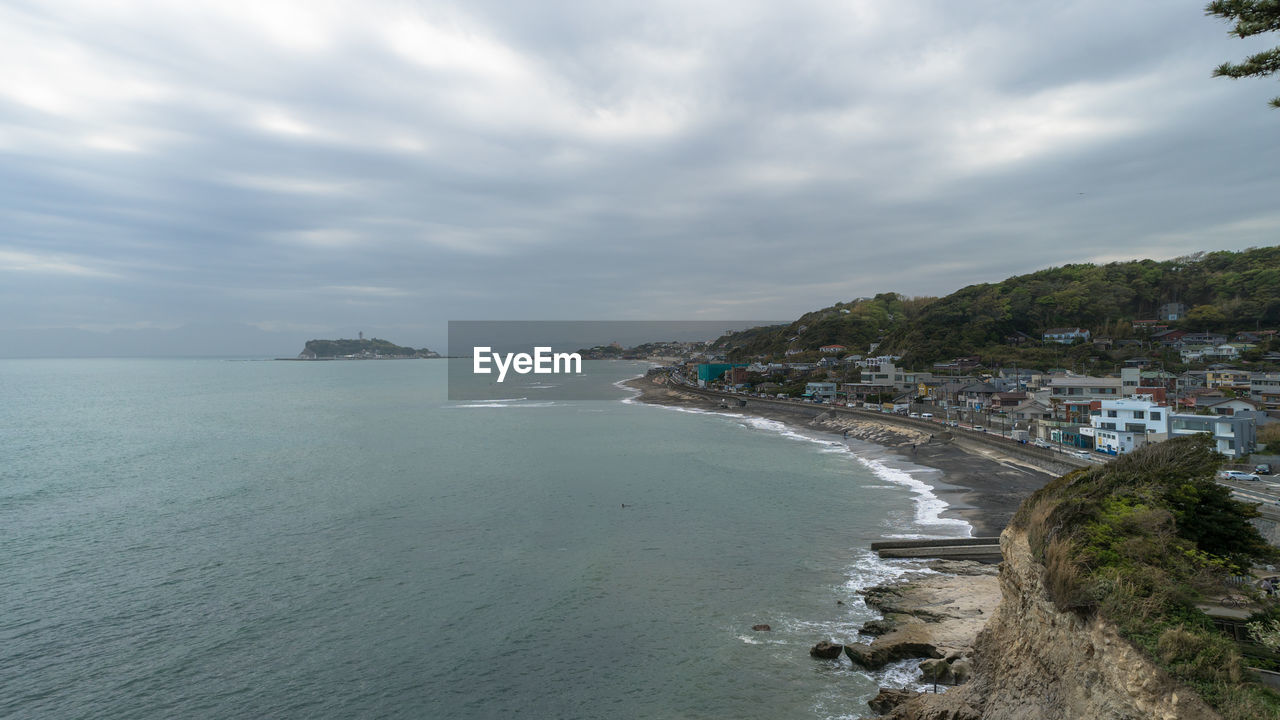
{"x":276,"y":171}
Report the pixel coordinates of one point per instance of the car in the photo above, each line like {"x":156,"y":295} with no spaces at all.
{"x":1263,"y":469}
{"x":926,"y":416}
{"x":1237,"y":475}
{"x":914,"y":415}
{"x":1041,"y":443}
{"x":952,"y":423}
{"x":979,"y":428}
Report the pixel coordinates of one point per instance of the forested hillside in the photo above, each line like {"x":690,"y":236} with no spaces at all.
{"x":1221,"y":291}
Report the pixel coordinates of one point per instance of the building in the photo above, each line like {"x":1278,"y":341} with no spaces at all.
{"x":886,"y":373}
{"x":831,"y":349}
{"x":1066,"y":336}
{"x":977,"y":396}
{"x":1083,"y":387}
{"x":1204,"y":338}
{"x":1171,"y":311}
{"x":710,"y":372}
{"x":1123,"y":425}
{"x":1130,"y":381}
{"x":1004,"y":401}
{"x":1233,"y":435}
{"x":1231,"y":406}
{"x":824,"y":391}
{"x":1226,"y":377}
{"x":1265,"y":388}
{"x":859,"y":392}
{"x":1031,"y":410}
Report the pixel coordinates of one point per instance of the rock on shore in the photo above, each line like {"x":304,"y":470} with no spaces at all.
{"x":931,"y":616}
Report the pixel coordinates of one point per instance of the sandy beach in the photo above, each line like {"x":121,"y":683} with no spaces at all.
{"x":982,"y":487}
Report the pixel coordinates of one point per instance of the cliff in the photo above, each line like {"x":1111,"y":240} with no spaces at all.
{"x":1035,"y":662}
{"x":1104,"y":574}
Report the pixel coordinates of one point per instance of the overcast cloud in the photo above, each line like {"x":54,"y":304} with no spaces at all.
{"x":311,"y":167}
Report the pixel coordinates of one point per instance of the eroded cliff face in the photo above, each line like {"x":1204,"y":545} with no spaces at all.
{"x":1034,"y":662}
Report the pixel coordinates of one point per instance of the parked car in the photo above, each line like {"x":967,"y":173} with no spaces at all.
{"x":1263,"y":469}
{"x":1237,"y":475}
{"x":914,"y":415}
{"x":979,"y":428}
{"x":926,"y":416}
{"x":1042,"y":443}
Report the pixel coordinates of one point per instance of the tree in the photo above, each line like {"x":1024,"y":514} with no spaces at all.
{"x":1251,"y":17}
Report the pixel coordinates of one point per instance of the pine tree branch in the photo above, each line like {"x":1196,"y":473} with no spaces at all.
{"x":1260,"y":65}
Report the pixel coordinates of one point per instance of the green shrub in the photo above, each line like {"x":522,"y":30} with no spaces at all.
{"x":1139,"y":541}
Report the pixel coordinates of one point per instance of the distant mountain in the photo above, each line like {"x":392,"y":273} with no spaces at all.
{"x":1219,"y":291}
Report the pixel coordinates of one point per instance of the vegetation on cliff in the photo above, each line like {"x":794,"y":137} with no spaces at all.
{"x":1140,"y":541}
{"x":1004,"y":321}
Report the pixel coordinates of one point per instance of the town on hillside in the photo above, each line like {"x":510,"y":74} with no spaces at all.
{"x":1212,"y":389}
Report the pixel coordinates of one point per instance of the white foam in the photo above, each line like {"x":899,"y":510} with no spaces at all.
{"x":499,"y":404}
{"x":906,"y":674}
{"x":622,"y":384}
{"x":929,"y":507}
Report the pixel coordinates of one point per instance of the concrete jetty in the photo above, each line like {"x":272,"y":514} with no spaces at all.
{"x":981,"y":549}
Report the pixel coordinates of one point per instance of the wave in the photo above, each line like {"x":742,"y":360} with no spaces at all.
{"x":504,"y":404}
{"x":929,"y":507}
{"x":622,"y":384}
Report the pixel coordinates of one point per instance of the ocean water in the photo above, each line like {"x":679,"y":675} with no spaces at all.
{"x":219,"y":539}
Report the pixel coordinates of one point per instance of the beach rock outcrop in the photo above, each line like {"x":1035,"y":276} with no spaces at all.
{"x":878,"y":627}
{"x":826,"y":650}
{"x":876,"y":656}
{"x":932,"y":616}
{"x":938,"y":671}
{"x":889,"y":698}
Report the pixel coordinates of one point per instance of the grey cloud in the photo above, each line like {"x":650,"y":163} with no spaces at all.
{"x":399,"y":165}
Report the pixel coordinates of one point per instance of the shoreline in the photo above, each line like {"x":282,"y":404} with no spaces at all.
{"x":983,"y":489}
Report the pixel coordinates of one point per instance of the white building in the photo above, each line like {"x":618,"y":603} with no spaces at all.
{"x":1123,"y":425}
{"x":824,"y":391}
{"x":1066,"y":336}
{"x":886,"y":373}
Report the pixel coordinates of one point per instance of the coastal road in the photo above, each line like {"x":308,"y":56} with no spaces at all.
{"x":1265,"y":492}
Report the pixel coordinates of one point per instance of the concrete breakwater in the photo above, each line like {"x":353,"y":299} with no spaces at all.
{"x":980,"y":549}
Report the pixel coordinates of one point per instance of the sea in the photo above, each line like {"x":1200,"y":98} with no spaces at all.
{"x":227,"y":538}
